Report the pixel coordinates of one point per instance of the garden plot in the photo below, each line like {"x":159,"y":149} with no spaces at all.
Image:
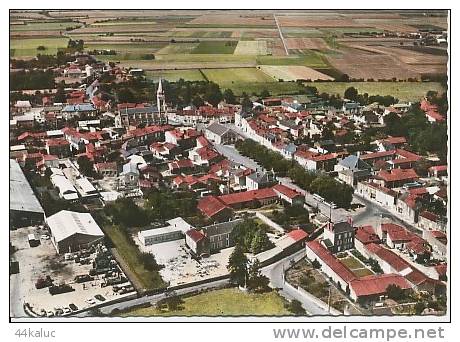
{"x":254,"y":47}
{"x":293,"y":73}
{"x":356,"y":266}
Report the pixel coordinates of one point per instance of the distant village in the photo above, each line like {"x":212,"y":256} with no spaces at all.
{"x":106,"y":188}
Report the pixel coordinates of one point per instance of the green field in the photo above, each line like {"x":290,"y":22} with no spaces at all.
{"x":224,"y":302}
{"x":175,"y":75}
{"x":225,"y":77}
{"x":312,"y":60}
{"x":215,"y":47}
{"x":51,"y":26}
{"x":362,"y":272}
{"x":28,"y":47}
{"x":201,"y":34}
{"x":351,"y":262}
{"x":274,"y":88}
{"x":404,"y":91}
{"x":147,"y":279}
{"x":178,"y":48}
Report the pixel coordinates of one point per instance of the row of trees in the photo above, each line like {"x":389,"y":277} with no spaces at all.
{"x":32,"y":79}
{"x":327,"y":187}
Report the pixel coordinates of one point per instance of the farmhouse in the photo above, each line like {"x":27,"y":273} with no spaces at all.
{"x":72,"y":231}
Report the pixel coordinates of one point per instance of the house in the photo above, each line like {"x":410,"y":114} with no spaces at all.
{"x":340,"y":236}
{"x":430,"y":221}
{"x":314,"y":161}
{"x":363,"y":236}
{"x":130,"y":174}
{"x":220,"y":134}
{"x":372,"y":287}
{"x":260,"y":180}
{"x":76,"y":110}
{"x":59,"y":147}
{"x":391,"y":143}
{"x":197,"y":243}
{"x":377,"y":193}
{"x":352,"y":170}
{"x":289,"y":195}
{"x":106,"y":169}
{"x":181,"y":166}
{"x":220,"y":235}
{"x":214,"y":209}
{"x":72,"y":231}
{"x":438,"y":242}
{"x":204,"y":156}
{"x":437,"y":171}
{"x":408,"y":207}
{"x":396,"y":177}
{"x":252,"y":198}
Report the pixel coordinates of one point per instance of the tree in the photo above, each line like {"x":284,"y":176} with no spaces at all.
{"x":246,"y":102}
{"x":213,"y":95}
{"x":237,"y":266}
{"x":351,"y":93}
{"x":260,"y":242}
{"x":316,"y":264}
{"x":256,"y":280}
{"x":173,"y":301}
{"x":229,"y":97}
{"x":125,"y":95}
{"x":395,"y":292}
{"x":296,"y":308}
{"x":265,"y":93}
{"x":85,"y":166}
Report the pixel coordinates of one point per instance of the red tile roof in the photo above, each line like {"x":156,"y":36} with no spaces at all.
{"x":437,"y":168}
{"x":195,"y":235}
{"x":248,"y":196}
{"x":398,"y":175}
{"x":397,"y":233}
{"x":394,"y":260}
{"x":298,"y":234}
{"x":377,"y":284}
{"x":366,"y":234}
{"x":395,"y":140}
{"x":323,"y":253}
{"x":429,"y":216}
{"x":57,"y":142}
{"x":211,"y":206}
{"x":286,"y":191}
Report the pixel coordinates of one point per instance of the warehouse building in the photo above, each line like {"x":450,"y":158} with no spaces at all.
{"x":72,"y":231}
{"x":175,"y":230}
{"x":25,"y":209}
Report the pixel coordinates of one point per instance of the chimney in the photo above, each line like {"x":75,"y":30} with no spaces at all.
{"x":350,"y":220}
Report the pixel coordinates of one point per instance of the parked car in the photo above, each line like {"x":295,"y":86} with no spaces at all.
{"x":60,"y":289}
{"x":99,"y":297}
{"x":66,"y":310}
{"x":83,"y":278}
{"x":73,"y":307}
{"x":43,"y":282}
{"x":58,"y":311}
{"x":44,"y":237}
{"x":90,"y":301}
{"x":50,"y":314}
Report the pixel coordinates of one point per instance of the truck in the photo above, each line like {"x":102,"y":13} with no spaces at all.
{"x":33,"y":241}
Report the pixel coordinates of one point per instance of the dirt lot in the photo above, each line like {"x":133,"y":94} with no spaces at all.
{"x":306,"y":43}
{"x":180,"y":268}
{"x":40,"y":261}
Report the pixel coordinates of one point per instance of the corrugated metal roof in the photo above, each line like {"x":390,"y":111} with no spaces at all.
{"x":22,"y":197}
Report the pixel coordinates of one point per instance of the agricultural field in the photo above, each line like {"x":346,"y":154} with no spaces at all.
{"x":177,"y":48}
{"x":175,"y":75}
{"x":44,"y":26}
{"x":224,"y":302}
{"x":215,"y":47}
{"x":404,"y":91}
{"x":28,"y":47}
{"x":255,"y":47}
{"x":310,"y":59}
{"x":293,"y":73}
{"x":236,"y":75}
{"x":306,"y":43}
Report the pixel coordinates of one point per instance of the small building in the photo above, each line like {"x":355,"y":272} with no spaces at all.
{"x":72,"y":231}
{"x":214,"y":209}
{"x":219,"y":235}
{"x":159,"y":235}
{"x":352,"y":169}
{"x":289,"y":195}
{"x":258,"y":180}
{"x":130,"y":174}
{"x":197,"y":243}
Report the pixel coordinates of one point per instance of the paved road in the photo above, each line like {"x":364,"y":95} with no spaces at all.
{"x":155,"y":298}
{"x":281,"y":34}
{"x":231,"y":153}
{"x":373,"y":212}
{"x":16,"y":296}
{"x":275,"y":272}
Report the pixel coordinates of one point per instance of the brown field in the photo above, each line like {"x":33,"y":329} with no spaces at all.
{"x":149,"y":65}
{"x":405,"y":56}
{"x":360,"y":64}
{"x":306,"y":43}
{"x":276,"y":47}
{"x":34,"y":34}
{"x":234,"y":19}
{"x":310,"y":21}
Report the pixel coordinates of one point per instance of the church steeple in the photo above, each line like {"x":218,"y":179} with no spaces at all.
{"x":161,"y":103}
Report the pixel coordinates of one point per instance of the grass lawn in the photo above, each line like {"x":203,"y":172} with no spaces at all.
{"x":175,"y":75}
{"x":351,"y":262}
{"x":404,"y":91}
{"x":215,"y":47}
{"x":362,"y":272}
{"x":147,"y":279}
{"x":236,"y":75}
{"x":28,"y":47}
{"x":224,"y":302}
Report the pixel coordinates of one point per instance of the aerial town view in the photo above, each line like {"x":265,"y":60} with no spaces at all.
{"x":238,"y":163}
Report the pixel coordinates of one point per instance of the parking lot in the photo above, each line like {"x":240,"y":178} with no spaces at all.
{"x":42,"y":261}
{"x":181,"y":268}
